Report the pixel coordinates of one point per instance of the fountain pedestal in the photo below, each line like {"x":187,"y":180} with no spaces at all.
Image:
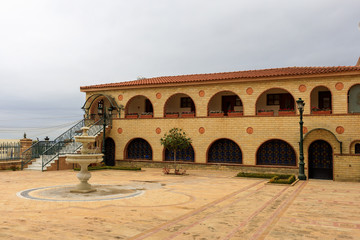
{"x":84,"y":159}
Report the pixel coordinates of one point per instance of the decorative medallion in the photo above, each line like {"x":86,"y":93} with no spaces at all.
{"x":339,"y":86}
{"x":120,"y":130}
{"x":158,"y":130}
{"x":201,"y":130}
{"x":302,"y":88}
{"x":201,"y":93}
{"x":158,"y":95}
{"x":305,"y":130}
{"x":250,"y":130}
{"x":340,"y":130}
{"x":249,"y":91}
{"x":120,"y":97}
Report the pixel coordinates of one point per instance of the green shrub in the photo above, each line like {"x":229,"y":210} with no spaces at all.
{"x":283,"y":179}
{"x":111,"y":167}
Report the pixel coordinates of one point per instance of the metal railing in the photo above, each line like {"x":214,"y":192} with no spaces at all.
{"x":38,"y":148}
{"x":10,"y":151}
{"x":62,"y":147}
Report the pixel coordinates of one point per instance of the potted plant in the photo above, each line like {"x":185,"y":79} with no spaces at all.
{"x":216,"y":113}
{"x":315,"y":110}
{"x":263,"y":112}
{"x":131,"y":115}
{"x":233,"y":113}
{"x":286,"y":112}
{"x":146,"y":115}
{"x":188,"y":114}
{"x":172,"y":115}
{"x":175,"y":140}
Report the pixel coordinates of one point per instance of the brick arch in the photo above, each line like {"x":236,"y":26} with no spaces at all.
{"x":141,"y":151}
{"x":193,"y":151}
{"x":132,"y":99}
{"x":233,"y":158}
{"x":167,"y":100}
{"x":323,"y":134}
{"x":265,"y":156}
{"x":310,"y":105}
{"x":352,"y":146}
{"x":219,"y":92}
{"x":267,"y":90}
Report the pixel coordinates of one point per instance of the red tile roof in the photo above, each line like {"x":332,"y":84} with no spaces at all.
{"x":239,"y":76}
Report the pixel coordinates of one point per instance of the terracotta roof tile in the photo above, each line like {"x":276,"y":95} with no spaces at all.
{"x":240,"y":76}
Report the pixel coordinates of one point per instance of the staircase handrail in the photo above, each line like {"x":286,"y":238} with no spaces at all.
{"x":47,"y":156}
{"x":70,"y":133}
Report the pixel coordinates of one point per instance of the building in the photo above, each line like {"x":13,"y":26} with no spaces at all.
{"x":247,"y":120}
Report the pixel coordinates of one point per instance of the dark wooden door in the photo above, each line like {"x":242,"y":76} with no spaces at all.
{"x":320,"y":160}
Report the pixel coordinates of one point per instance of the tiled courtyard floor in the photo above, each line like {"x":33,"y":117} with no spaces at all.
{"x":201,"y":205}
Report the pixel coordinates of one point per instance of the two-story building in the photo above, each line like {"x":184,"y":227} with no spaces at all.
{"x":247,"y":120}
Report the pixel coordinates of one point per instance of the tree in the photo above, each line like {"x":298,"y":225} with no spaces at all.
{"x":174,"y":141}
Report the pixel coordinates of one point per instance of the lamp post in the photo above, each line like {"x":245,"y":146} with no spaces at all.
{"x":300,"y":103}
{"x":102,"y":113}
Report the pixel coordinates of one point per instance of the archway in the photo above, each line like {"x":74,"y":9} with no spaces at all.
{"x":185,"y":155}
{"x":179,"y":105}
{"x":224,"y":151}
{"x":274,"y":102}
{"x":139,"y":106}
{"x":321,"y":100}
{"x":225,"y":102}
{"x":276,"y":152}
{"x":320,"y":160}
{"x":139,"y":148}
{"x":109,"y":152}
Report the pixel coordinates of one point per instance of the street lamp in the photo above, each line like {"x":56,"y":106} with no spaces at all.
{"x":102,"y":113}
{"x":300,"y":103}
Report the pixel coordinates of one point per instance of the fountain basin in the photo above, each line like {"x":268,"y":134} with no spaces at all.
{"x":84,"y":175}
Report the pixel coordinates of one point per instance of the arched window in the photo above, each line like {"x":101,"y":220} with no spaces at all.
{"x":185,"y":155}
{"x":321,"y":102}
{"x":225,"y":103}
{"x":354,"y":99}
{"x":139,"y":107}
{"x":224,"y":151}
{"x":276,"y":152}
{"x":139,"y":148}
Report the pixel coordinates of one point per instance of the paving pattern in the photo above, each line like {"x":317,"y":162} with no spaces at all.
{"x":202,"y":205}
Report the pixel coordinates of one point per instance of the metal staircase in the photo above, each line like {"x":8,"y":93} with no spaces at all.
{"x":64,"y":144}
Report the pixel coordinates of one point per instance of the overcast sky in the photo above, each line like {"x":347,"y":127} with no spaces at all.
{"x":48,"y":49}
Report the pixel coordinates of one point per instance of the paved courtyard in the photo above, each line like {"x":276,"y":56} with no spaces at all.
{"x":201,"y":205}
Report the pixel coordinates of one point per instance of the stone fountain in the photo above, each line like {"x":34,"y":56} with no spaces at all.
{"x":85,"y":158}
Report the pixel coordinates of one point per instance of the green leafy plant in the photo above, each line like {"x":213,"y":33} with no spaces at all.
{"x":174,"y":141}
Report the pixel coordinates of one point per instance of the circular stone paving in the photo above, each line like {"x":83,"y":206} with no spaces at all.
{"x":102,"y":193}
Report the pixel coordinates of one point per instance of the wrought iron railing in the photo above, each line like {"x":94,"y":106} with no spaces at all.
{"x":38,"y":148}
{"x":10,"y":151}
{"x":62,"y":147}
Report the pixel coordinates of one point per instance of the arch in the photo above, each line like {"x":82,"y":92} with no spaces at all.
{"x":225,"y":101}
{"x":138,"y":148}
{"x":143,"y":105}
{"x":320,"y":100}
{"x":178,"y":106}
{"x":354,"y":99}
{"x":314,"y":133}
{"x":185,"y":155}
{"x":90,"y":100}
{"x":274,"y":101}
{"x":224,"y":150}
{"x":276,"y":152}
{"x":320,"y":155}
{"x":355,"y":147}
{"x":109,"y":152}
